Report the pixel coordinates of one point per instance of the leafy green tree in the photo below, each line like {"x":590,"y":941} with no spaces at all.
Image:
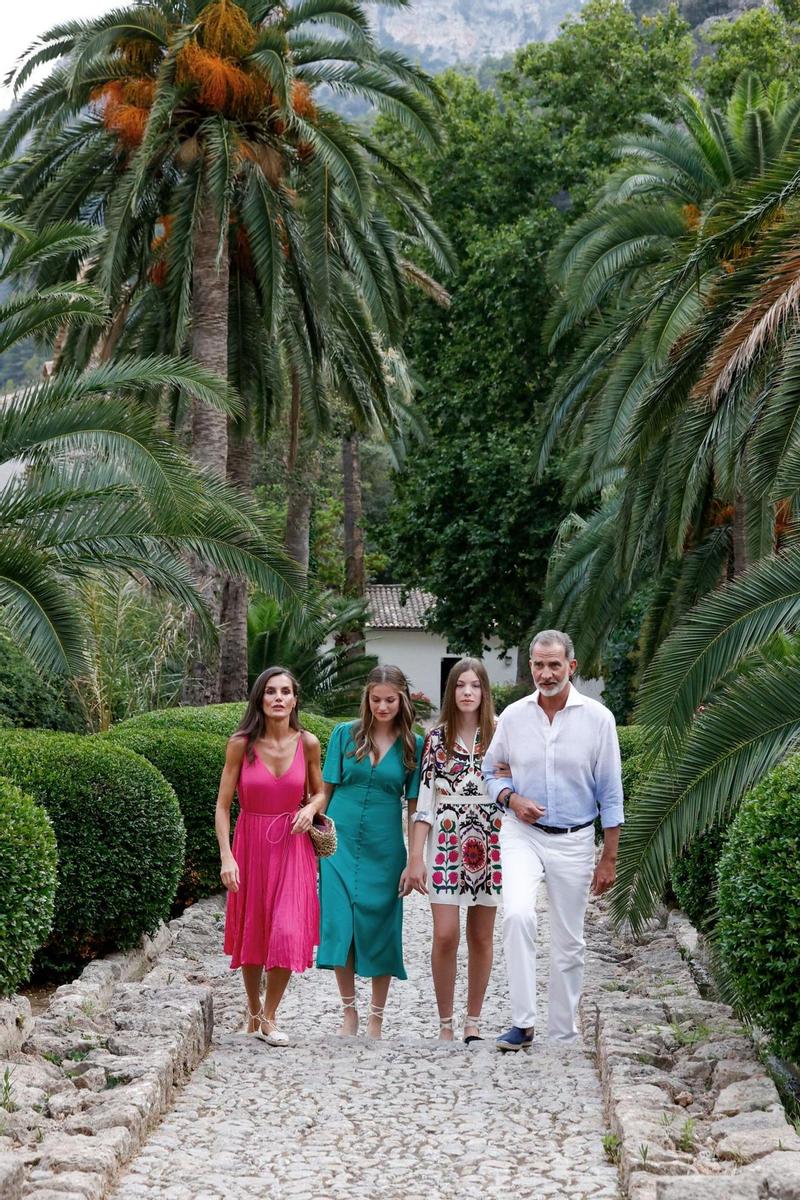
{"x":517,"y":160}
{"x":763,"y":40}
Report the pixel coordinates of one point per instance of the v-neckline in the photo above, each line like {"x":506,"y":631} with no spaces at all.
{"x":383,"y":756}
{"x":283,"y":774}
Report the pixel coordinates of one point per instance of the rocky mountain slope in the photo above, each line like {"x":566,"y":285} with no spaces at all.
{"x":438,"y":33}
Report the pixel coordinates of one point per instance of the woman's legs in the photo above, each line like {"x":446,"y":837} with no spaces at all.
{"x":251,"y":977}
{"x":346,"y":979}
{"x":444,"y":951}
{"x":480,"y":952}
{"x":277,"y":979}
{"x":380,"y":993}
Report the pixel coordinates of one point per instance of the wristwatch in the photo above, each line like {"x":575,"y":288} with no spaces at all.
{"x":504,"y":799}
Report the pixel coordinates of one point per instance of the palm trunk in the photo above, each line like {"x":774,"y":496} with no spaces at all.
{"x":302,"y":474}
{"x":233,"y":682}
{"x":355,"y":572}
{"x":209,"y":429}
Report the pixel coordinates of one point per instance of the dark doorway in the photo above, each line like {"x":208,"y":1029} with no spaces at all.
{"x":447,"y":664}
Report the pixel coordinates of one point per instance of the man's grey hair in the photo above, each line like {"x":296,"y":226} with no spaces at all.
{"x":553,"y":637}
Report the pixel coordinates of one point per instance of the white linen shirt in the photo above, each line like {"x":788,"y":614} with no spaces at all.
{"x":571,"y":767}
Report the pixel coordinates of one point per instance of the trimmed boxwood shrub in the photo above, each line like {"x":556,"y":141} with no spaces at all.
{"x":192,"y":763}
{"x":694,"y":876}
{"x":221,"y":719}
{"x":120,"y":839}
{"x":759,"y":905}
{"x":28,"y":871}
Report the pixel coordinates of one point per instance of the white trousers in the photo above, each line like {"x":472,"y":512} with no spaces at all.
{"x":565,"y":862}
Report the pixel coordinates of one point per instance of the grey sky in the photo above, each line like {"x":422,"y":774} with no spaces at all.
{"x":24,"y":20}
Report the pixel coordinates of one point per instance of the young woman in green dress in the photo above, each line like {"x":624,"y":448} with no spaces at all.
{"x":372,"y":764}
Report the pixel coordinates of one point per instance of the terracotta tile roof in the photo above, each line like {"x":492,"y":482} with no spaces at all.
{"x":386,"y":611}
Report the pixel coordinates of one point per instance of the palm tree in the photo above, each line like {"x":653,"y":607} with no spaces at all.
{"x":93,"y":487}
{"x":651,"y":288}
{"x":204,"y":138}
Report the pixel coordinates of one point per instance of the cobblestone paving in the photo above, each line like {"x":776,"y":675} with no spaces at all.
{"x":332,"y":1118}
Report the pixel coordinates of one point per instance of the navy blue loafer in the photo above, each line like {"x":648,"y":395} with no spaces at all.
{"x":515,"y":1039}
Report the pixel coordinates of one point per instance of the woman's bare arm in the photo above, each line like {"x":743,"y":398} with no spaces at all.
{"x":229,"y":873}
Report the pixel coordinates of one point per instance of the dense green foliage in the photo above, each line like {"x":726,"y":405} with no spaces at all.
{"x":517,"y":165}
{"x":28,"y":869}
{"x":219,"y":719}
{"x":761,"y":40}
{"x":120,"y":840}
{"x":191,"y":762}
{"x":758,"y":932}
{"x":694,"y":876}
{"x":31,"y":700}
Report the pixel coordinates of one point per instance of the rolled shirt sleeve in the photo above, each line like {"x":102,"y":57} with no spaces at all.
{"x":497,"y":752}
{"x":608,"y":776}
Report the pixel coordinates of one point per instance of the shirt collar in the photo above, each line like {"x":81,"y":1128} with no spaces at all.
{"x":574,"y":697}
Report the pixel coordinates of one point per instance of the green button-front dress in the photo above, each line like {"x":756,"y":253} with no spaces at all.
{"x":358,"y":884}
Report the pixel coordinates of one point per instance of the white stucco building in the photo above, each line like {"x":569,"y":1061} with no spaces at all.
{"x":396,"y":635}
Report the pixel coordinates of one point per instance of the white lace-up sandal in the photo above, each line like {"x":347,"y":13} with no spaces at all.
{"x":270,"y":1032}
{"x":445,"y":1023}
{"x":376,"y":1013}
{"x":472,"y":1023}
{"x":349,"y":1005}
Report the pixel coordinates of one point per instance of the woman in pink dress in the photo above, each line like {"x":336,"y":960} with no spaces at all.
{"x":272,"y":918}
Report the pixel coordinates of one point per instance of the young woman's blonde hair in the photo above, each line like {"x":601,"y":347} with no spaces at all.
{"x":364,"y":726}
{"x":448,"y":717}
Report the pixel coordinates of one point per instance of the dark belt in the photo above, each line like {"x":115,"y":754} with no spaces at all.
{"x":562,"y":828}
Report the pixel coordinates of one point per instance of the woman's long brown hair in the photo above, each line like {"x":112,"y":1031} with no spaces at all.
{"x":448,"y":717}
{"x":253,"y":724}
{"x":364,"y":726}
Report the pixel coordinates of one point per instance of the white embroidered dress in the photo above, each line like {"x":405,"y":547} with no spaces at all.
{"x":463,"y":847}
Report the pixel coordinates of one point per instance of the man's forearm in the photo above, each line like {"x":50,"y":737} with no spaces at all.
{"x":611,"y":843}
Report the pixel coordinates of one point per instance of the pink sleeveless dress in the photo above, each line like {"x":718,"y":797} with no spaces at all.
{"x":273,"y":920}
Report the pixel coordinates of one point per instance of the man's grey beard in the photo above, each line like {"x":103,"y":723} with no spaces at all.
{"x":555,"y":689}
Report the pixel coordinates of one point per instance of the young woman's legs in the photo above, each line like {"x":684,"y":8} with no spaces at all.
{"x":480,"y":952}
{"x":444,"y":951}
{"x":251,"y":977}
{"x":380,"y":992}
{"x":346,"y":980}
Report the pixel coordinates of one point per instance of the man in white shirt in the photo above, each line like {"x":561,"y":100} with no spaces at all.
{"x":552,"y":766}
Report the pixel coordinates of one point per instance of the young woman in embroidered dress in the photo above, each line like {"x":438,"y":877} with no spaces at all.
{"x":272,"y":918}
{"x":371,"y":765}
{"x":461,"y":826}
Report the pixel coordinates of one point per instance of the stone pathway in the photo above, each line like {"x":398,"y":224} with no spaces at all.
{"x":330,"y":1118}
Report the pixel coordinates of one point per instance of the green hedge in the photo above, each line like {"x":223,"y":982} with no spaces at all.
{"x":192,"y":763}
{"x":28,"y":866}
{"x":694,"y":876}
{"x":221,"y":719}
{"x":120,"y":839}
{"x":758,"y":930}
{"x":504,"y":694}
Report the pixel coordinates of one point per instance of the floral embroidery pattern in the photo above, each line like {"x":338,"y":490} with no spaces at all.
{"x":464,"y":843}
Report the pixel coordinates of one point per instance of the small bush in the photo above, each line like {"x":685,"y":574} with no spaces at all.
{"x":220,"y":719}
{"x":30,"y":701}
{"x":759,"y":905}
{"x":694,"y":876}
{"x":120,"y":839}
{"x":504,"y":694}
{"x":192,"y":763}
{"x":28,"y":871}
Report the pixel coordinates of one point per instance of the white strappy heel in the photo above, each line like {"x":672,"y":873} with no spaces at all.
{"x":349,"y":1003}
{"x":376,"y":1011}
{"x":445,"y":1023}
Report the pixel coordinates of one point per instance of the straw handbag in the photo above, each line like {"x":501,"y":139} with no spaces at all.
{"x":323,"y":836}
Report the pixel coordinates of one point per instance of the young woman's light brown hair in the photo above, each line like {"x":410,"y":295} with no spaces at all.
{"x":362,"y":730}
{"x":448,"y":717}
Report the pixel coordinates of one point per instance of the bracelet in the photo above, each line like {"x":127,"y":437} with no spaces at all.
{"x":504,"y":799}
